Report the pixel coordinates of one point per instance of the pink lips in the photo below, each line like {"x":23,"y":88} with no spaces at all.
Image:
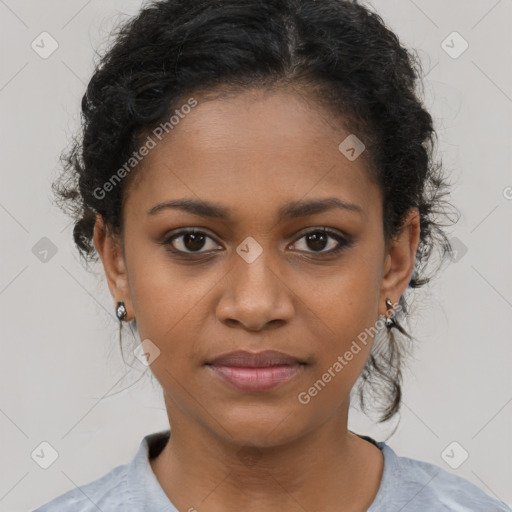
{"x":256,"y":371}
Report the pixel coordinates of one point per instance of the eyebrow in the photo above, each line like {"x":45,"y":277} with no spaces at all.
{"x":290,"y":210}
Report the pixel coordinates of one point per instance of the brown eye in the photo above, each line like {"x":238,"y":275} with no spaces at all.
{"x":317,"y":240}
{"x":190,"y":242}
{"x":320,"y":239}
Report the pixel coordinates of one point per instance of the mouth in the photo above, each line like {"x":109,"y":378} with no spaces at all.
{"x":256,"y":372}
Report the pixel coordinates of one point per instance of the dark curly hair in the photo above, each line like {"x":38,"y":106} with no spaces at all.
{"x":335,"y":53}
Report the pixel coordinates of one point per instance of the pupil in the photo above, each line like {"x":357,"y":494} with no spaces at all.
{"x":193,"y":241}
{"x":318,"y":240}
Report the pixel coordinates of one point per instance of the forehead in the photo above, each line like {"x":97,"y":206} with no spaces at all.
{"x":258,"y":145}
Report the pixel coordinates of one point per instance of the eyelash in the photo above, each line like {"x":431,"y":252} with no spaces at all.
{"x":343,"y":243}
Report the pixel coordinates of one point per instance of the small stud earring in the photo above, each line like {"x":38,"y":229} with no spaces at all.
{"x":390,"y":321}
{"x":121,"y":314}
{"x":121,"y":311}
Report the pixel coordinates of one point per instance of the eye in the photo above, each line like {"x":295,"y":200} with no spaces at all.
{"x":318,"y":240}
{"x":193,"y":241}
{"x":189,"y":242}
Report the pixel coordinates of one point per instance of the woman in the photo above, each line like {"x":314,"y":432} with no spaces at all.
{"x":258,"y":181}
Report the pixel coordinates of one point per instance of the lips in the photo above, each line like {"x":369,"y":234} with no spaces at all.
{"x":255,"y":372}
{"x":244,"y":359}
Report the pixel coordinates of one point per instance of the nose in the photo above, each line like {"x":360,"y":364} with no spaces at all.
{"x":255,"y":296}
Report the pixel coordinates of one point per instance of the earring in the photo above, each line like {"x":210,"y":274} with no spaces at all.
{"x":390,"y":321}
{"x":121,"y":315}
{"x":121,"y":311}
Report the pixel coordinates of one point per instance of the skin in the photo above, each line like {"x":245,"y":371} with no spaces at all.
{"x":251,"y":153}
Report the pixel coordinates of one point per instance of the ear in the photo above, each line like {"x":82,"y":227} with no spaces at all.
{"x":108,"y":246}
{"x":400,"y":258}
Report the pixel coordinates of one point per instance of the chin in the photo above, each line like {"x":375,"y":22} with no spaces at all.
{"x":262,"y":428}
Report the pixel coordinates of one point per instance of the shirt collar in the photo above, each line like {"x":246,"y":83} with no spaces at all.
{"x":144,"y":488}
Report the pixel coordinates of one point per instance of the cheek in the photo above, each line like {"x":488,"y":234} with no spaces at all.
{"x":348,"y":308}
{"x":168,"y":309}
{"x":164,"y":294}
{"x":348,"y":301}
{"x":340,"y":361}
{"x":173,"y":307}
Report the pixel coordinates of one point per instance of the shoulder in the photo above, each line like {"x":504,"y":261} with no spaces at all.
{"x":107,"y":493}
{"x":125,"y":488}
{"x":416,"y":485}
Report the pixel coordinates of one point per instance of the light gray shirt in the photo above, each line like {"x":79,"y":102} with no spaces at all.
{"x":407,"y":485}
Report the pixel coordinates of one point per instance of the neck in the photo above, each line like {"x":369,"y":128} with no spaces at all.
{"x":328,"y":468}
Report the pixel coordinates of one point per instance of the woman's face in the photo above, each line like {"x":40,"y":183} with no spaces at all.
{"x":260,"y":276}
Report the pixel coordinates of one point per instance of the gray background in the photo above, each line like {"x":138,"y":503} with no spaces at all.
{"x":63,"y":380}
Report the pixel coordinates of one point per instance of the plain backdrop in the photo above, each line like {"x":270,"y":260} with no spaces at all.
{"x":62,"y":377}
